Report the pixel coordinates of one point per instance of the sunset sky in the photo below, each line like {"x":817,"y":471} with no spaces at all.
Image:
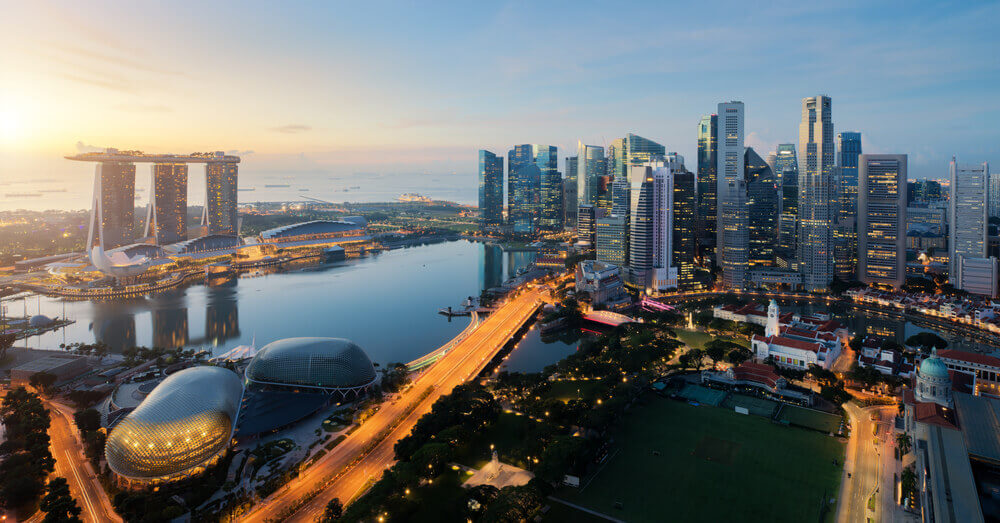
{"x":407,"y":91}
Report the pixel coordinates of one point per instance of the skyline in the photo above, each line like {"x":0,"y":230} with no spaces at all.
{"x":318,"y":92}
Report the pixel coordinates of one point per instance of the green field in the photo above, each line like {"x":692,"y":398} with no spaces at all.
{"x":565,"y":390}
{"x":713,"y":465}
{"x":756,"y":406}
{"x":813,"y":419}
{"x":698,"y":339}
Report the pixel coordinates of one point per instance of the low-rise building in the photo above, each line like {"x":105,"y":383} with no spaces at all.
{"x":758,"y":378}
{"x":799,"y":344}
{"x":887,"y":361}
{"x":984,"y":368}
{"x":62,"y":366}
{"x":603,"y":282}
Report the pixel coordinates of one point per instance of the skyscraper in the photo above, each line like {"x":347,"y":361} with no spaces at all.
{"x":994,"y":195}
{"x":881,"y":215}
{"x":732,"y":235}
{"x":490,"y":189}
{"x":845,"y":236}
{"x":112,"y":214}
{"x":816,"y":165}
{"x":551,"y":185}
{"x":762,"y":210}
{"x":786,"y":169}
{"x":221,"y":179}
{"x":586,"y":226}
{"x":166,"y":220}
{"x":685,"y":230}
{"x":523,"y":188}
{"x":570,"y":199}
{"x":707,"y":183}
{"x":610,"y":240}
{"x":967,"y":215}
{"x":589,"y":171}
{"x":650,"y":227}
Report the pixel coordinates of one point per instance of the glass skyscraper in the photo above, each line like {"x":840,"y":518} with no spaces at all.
{"x":534,"y":187}
{"x":590,"y":169}
{"x":221,"y":197}
{"x":786,"y":169}
{"x":882,"y":219}
{"x":707,"y":189}
{"x":845,"y":235}
{"x":732,"y":235}
{"x":166,"y":220}
{"x":762,"y":202}
{"x":570,"y":199}
{"x":113,"y":209}
{"x":490,"y":189}
{"x":967,"y":214}
{"x":551,"y":185}
{"x":685,"y":230}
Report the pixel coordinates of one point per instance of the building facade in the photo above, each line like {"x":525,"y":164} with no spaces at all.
{"x":490,"y":189}
{"x":881,"y":229}
{"x":113,"y":209}
{"x":845,"y":237}
{"x":570,"y":200}
{"x":685,"y":231}
{"x":816,"y":165}
{"x":590,"y":168}
{"x":221,"y":188}
{"x":610,"y":240}
{"x":166,"y":219}
{"x":762,"y":210}
{"x":967,"y":215}
{"x":786,"y":169}
{"x":732,"y":227}
{"x":707,"y":184}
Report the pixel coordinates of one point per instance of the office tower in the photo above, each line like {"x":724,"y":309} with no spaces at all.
{"x":570,"y":200}
{"x":490,"y":189}
{"x":113,"y":205}
{"x":610,"y":240}
{"x":881,"y":215}
{"x":967,"y":215}
{"x":707,"y":185}
{"x":685,"y":230}
{"x":166,"y":219}
{"x":762,"y":210}
{"x":786,"y":169}
{"x":631,"y":150}
{"x":524,"y":179}
{"x":589,"y":171}
{"x":994,"y":195}
{"x":732,"y":234}
{"x":816,"y":165}
{"x":221,"y":180}
{"x":845,"y":237}
{"x":550,"y":197}
{"x":650,"y":227}
{"x":586,"y":226}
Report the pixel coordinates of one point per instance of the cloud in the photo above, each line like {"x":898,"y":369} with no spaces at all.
{"x":87,"y":148}
{"x":108,"y":82}
{"x":291,"y":129}
{"x":237,"y":152}
{"x":144,"y":108}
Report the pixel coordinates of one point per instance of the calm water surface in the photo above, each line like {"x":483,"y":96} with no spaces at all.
{"x":386,"y":303}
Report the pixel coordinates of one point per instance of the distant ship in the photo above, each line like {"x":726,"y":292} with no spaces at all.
{"x":248,"y":189}
{"x":52,"y":190}
{"x":303,"y":190}
{"x":23,"y":194}
{"x":272,"y":185}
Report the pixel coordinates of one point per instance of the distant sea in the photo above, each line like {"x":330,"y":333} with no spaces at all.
{"x":363,"y":187}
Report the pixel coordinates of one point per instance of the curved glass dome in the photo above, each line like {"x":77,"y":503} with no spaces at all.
{"x":933,"y":367}
{"x":328,"y":363}
{"x":182,"y":425}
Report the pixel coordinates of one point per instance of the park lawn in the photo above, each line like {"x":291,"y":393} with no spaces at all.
{"x":698,"y":339}
{"x":508,"y":432}
{"x":813,"y":419}
{"x":565,"y":390}
{"x":560,"y":513}
{"x":713,"y":465}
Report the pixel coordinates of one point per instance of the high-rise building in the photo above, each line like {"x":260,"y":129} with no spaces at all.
{"x":845,"y":237}
{"x":732,"y":235}
{"x":994,"y":195}
{"x":610,"y":240}
{"x":786,"y":169}
{"x":816,"y":165}
{"x":586,"y":226}
{"x":551,"y":185}
{"x":166,"y":220}
{"x":707,"y":184}
{"x":570,"y":199}
{"x":490,"y":189}
{"x":881,"y":215}
{"x":112,"y":214}
{"x":221,"y":179}
{"x":685,"y":230}
{"x":590,"y":169}
{"x":650,"y":227}
{"x":967,"y":215}
{"x":762,"y":210}
{"x":524,"y":180}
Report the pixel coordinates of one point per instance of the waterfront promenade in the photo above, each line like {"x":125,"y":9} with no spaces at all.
{"x":351,"y":467}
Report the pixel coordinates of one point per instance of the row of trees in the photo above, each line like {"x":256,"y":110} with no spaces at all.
{"x":89,"y":423}
{"x":25,"y":453}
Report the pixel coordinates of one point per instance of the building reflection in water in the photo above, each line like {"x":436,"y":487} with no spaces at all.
{"x":113,"y":326}
{"x":222,"y":319}
{"x":170,"y":319}
{"x":492,"y":266}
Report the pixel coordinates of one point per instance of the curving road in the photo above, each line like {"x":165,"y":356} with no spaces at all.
{"x":864,"y":461}
{"x":360,"y":459}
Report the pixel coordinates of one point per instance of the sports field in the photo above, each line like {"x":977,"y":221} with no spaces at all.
{"x":756,"y":406}
{"x":813,"y":419}
{"x":676,"y":462}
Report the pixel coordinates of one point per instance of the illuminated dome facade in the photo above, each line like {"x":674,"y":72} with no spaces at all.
{"x":182,"y":427}
{"x":329,"y":364}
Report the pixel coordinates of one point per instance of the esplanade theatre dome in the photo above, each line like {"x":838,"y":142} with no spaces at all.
{"x":184,"y":425}
{"x":330,"y":364}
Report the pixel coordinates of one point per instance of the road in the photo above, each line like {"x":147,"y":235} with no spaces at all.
{"x":353,"y":461}
{"x":72,"y":464}
{"x":863,"y":462}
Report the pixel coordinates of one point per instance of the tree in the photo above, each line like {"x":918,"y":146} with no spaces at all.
{"x":42,"y":381}
{"x":716,"y":351}
{"x":855,"y":343}
{"x":87,"y":420}
{"x":903,"y":442}
{"x":334,"y":509}
{"x":513,"y":504}
{"x":919,"y":285}
{"x":58,"y":505}
{"x":6,"y":342}
{"x":429,"y":458}
{"x":737,"y":356}
{"x":926,"y":341}
{"x":692,"y":359}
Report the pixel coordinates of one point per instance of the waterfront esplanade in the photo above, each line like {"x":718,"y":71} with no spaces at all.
{"x":112,"y":211}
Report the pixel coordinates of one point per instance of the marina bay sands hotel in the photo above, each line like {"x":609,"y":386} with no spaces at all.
{"x":113,"y":207}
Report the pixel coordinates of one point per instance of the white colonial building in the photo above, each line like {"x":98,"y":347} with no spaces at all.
{"x":799,"y":344}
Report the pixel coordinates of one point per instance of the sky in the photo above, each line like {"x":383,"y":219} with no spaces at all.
{"x":401,"y":95}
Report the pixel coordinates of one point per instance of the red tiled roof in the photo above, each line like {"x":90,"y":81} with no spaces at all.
{"x":933,"y":414}
{"x":969,"y":357}
{"x":756,"y":372}
{"x":794,"y":343}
